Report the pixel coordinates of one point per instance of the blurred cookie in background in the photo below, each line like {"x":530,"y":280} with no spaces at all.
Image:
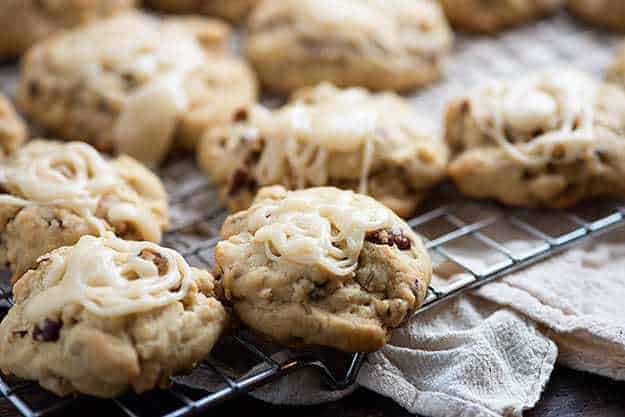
{"x":493,"y":16}
{"x":13,"y":130}
{"x":549,"y":139}
{"x":374,"y":143}
{"x":381,"y":45}
{"x":609,"y":14}
{"x":233,"y":10}
{"x":616,"y":71}
{"x":136,"y":84}
{"x":25,"y":22}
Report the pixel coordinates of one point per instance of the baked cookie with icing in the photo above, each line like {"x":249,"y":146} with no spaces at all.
{"x":136,"y":84}
{"x":108,"y":315}
{"x":348,"y":138}
{"x":233,"y":10}
{"x":53,"y":193}
{"x":25,"y":22}
{"x":616,"y":71}
{"x":322,"y":266}
{"x":551,"y":139}
{"x":493,"y":16}
{"x":378,"y":44}
{"x":13,"y":131}
{"x":609,"y":14}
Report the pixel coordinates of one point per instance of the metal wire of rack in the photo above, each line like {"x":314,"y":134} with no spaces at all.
{"x":445,"y":228}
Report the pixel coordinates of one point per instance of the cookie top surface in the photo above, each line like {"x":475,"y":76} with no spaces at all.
{"x":322,"y":255}
{"x":108,"y":314}
{"x":13,"y":130}
{"x":75,"y":176}
{"x":491,"y":16}
{"x":605,"y":13}
{"x":553,"y":139}
{"x":46,"y":17}
{"x":110,"y":277}
{"x":379,"y":44}
{"x":137,"y":44}
{"x":326,"y":134}
{"x":528,"y":118}
{"x":305,"y":227}
{"x":146,"y":73}
{"x":385,"y":24}
{"x":344,"y":119}
{"x":234,"y":10}
{"x":616,"y":71}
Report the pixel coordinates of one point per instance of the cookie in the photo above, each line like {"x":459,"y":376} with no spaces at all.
{"x":550,"y":139}
{"x":322,"y":266}
{"x":348,"y":138}
{"x":379,"y":44}
{"x":233,"y":10}
{"x":25,"y":22}
{"x":108,"y":315}
{"x":493,"y":16}
{"x":13,"y":131}
{"x":53,"y":193}
{"x":135,"y":84}
{"x":616,"y":71}
{"x":609,"y":14}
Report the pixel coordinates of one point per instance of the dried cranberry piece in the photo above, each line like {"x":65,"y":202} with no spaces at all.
{"x":379,"y":237}
{"x":47,"y":331}
{"x":401,"y":241}
{"x":390,"y":237}
{"x":241,"y":115}
{"x":240,"y":180}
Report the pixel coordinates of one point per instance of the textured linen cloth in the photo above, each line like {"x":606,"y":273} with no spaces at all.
{"x":578,"y":298}
{"x":491,"y":353}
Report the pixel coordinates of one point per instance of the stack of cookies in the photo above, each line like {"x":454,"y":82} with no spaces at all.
{"x":315,"y":251}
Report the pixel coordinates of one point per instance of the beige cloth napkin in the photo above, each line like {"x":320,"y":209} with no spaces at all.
{"x":473,"y":358}
{"x":579,"y":299}
{"x":576,"y":299}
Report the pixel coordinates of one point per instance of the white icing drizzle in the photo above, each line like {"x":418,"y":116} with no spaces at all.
{"x":108,"y":277}
{"x":75,"y":176}
{"x":72,"y":174}
{"x":158,"y":55}
{"x":154,"y":109}
{"x":560,"y":103}
{"x":319,"y":226}
{"x":367,"y":157}
{"x":299,"y":137}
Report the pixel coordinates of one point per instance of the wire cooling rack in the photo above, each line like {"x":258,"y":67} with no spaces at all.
{"x":471,"y":244}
